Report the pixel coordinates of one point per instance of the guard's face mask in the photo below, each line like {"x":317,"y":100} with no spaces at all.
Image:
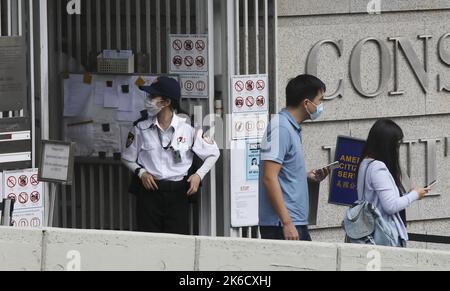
{"x":315,"y":115}
{"x":152,"y":106}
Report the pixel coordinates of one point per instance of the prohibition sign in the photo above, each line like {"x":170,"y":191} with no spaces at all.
{"x":201,"y":86}
{"x":250,"y":85}
{"x":239,"y":102}
{"x":23,"y":198}
{"x":260,"y":85}
{"x":189,"y":86}
{"x":177,"y":61}
{"x":250,"y":101}
{"x":189,"y":61}
{"x":34,"y":180}
{"x":200,"y":61}
{"x":177,"y":44}
{"x":11,"y":182}
{"x":260,"y":101}
{"x":23,"y":181}
{"x":239,"y":86}
{"x":200,"y":45}
{"x":12,"y":196}
{"x":188,"y":45}
{"x":35,"y":197}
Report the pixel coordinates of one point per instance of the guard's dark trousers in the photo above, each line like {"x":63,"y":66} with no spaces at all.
{"x":165,"y":210}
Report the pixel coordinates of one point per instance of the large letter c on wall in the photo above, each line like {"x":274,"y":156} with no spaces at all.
{"x":313,"y":62}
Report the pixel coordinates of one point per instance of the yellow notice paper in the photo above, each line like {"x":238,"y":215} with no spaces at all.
{"x":87,"y":79}
{"x":140,"y":82}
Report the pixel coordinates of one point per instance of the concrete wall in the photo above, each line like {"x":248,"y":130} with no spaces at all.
{"x":59,"y":250}
{"x":422,"y":115}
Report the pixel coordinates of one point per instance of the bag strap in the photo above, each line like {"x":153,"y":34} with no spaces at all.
{"x":365,"y":178}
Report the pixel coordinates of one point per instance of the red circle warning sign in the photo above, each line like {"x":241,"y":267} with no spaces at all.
{"x":189,"y":86}
{"x":201,"y":86}
{"x":260,"y":101}
{"x":23,"y":198}
{"x":23,"y":181}
{"x":189,"y":61}
{"x":12,"y":196}
{"x":200,"y":61}
{"x":260,"y":85}
{"x":250,"y":101}
{"x":250,"y":85}
{"x":34,"y":180}
{"x":177,"y":61}
{"x":177,"y":45}
{"x":239,"y":102}
{"x":11,"y":182}
{"x":239,"y":86}
{"x":35,"y":197}
{"x":200,"y":45}
{"x":188,"y":45}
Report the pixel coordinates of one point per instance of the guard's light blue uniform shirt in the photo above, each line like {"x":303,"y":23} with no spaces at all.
{"x":282,"y":144}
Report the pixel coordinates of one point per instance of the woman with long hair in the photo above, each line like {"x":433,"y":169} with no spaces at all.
{"x":380,"y":177}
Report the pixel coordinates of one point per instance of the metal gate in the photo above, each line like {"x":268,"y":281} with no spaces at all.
{"x":242,"y":39}
{"x":98,"y":199}
{"x":17,"y":139}
{"x":250,"y":47}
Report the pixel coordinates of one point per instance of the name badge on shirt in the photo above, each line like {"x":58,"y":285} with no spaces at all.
{"x":177,"y":157}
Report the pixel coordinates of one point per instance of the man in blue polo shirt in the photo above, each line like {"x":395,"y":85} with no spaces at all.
{"x":284,"y":196}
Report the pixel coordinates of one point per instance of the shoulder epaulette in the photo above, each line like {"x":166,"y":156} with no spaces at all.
{"x":144,"y":117}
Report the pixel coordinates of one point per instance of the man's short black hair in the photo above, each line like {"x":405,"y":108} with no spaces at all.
{"x":303,"y":87}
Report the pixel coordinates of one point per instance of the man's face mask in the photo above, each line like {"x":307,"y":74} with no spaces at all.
{"x":316,"y":115}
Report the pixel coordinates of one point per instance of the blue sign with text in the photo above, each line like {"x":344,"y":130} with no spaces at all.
{"x":344,"y":182}
{"x":253,"y":160}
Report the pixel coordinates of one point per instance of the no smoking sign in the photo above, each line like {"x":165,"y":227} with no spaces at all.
{"x":177,"y":44}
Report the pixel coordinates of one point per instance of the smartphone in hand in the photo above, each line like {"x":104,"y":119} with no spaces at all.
{"x":332,"y":166}
{"x":432,"y":184}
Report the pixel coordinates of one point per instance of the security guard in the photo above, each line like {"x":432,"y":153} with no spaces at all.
{"x":160,"y":151}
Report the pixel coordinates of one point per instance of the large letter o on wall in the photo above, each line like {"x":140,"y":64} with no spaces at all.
{"x":355,"y":67}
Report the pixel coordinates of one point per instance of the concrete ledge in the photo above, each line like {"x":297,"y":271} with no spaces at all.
{"x":57,"y":250}
{"x":218,"y":254}
{"x":20,"y":250}
{"x":366,"y":258}
{"x":288,"y":8}
{"x":108,"y":250}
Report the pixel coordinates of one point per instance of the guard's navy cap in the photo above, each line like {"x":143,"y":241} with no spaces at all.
{"x":164,"y":87}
